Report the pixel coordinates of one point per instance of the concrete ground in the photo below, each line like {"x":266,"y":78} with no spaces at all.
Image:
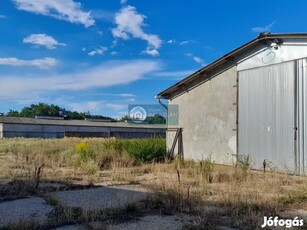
{"x":71,"y":227}
{"x":36,"y":209}
{"x":29,"y":209}
{"x":100,"y":198}
{"x":153,"y":222}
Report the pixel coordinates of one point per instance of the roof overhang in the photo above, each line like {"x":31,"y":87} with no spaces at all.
{"x":263,"y":39}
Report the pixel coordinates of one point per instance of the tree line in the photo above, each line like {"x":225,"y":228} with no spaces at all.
{"x":42,"y":109}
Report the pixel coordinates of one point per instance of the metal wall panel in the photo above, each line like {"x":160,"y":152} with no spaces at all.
{"x":267,"y":115}
{"x":301,"y":116}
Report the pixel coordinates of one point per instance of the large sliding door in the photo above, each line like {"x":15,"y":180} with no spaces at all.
{"x":267,"y":116}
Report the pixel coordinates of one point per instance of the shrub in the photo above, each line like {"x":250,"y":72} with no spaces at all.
{"x":206,"y":168}
{"x":84,"y":151}
{"x":141,"y":150}
{"x":244,"y":162}
{"x":147,"y":150}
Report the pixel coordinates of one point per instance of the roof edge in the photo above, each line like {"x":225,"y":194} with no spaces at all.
{"x":165,"y":94}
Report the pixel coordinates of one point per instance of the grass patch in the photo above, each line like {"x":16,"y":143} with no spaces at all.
{"x":291,"y":199}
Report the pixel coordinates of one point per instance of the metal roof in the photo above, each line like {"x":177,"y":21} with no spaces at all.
{"x":263,"y":38}
{"x":86,"y":123}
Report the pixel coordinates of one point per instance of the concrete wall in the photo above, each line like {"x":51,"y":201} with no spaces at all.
{"x":53,"y":131}
{"x":207,"y":114}
{"x":1,"y":130}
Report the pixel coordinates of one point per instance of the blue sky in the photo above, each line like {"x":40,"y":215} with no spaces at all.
{"x":101,"y":55}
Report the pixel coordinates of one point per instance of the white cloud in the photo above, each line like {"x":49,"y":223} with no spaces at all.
{"x":43,"y":40}
{"x":99,"y":50}
{"x":109,"y":74}
{"x":173,"y":74}
{"x":152,"y":52}
{"x":184,"y":42}
{"x":187,"y":42}
{"x":117,"y":107}
{"x":44,"y":63}
{"x":123,"y":1}
{"x":86,"y":106}
{"x":172,"y":41}
{"x":196,"y":59}
{"x":118,"y":94}
{"x":127,"y":95}
{"x":113,"y":53}
{"x":2,"y":16}
{"x":66,"y":10}
{"x":266,"y":28}
{"x":129,"y":23}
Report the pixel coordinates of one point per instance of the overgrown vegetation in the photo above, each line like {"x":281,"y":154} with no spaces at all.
{"x":31,"y":156}
{"x":141,"y":150}
{"x":211,"y":194}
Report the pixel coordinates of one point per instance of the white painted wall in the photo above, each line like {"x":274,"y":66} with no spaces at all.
{"x":207,"y":115}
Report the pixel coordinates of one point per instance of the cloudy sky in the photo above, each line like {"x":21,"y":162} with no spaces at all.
{"x":101,"y":55}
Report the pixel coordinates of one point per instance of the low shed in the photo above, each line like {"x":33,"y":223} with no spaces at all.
{"x":252,"y":101}
{"x":55,"y":128}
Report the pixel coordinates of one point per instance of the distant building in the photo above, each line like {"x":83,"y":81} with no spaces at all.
{"x":44,"y":127}
{"x":252,"y":101}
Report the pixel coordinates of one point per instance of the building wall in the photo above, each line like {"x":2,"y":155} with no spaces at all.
{"x":207,"y":115}
{"x":53,"y":131}
{"x":1,"y":130}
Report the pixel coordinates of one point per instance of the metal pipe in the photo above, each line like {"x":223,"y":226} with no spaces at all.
{"x":160,"y":102}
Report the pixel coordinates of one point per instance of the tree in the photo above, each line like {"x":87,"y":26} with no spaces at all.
{"x":13,"y":113}
{"x":42,"y":109}
{"x":125,"y":118}
{"x":156,"y":119}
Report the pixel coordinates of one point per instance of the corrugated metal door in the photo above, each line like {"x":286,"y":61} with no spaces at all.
{"x":267,"y":115}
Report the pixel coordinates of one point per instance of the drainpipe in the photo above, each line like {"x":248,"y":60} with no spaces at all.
{"x":160,"y":102}
{"x":165,"y":106}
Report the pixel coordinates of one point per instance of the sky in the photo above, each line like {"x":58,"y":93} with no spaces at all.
{"x":98,"y":56}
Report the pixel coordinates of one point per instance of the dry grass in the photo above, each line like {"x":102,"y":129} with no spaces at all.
{"x":233,"y":197}
{"x":214,"y":195}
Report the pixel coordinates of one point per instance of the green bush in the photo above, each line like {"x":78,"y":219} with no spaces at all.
{"x":141,"y":150}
